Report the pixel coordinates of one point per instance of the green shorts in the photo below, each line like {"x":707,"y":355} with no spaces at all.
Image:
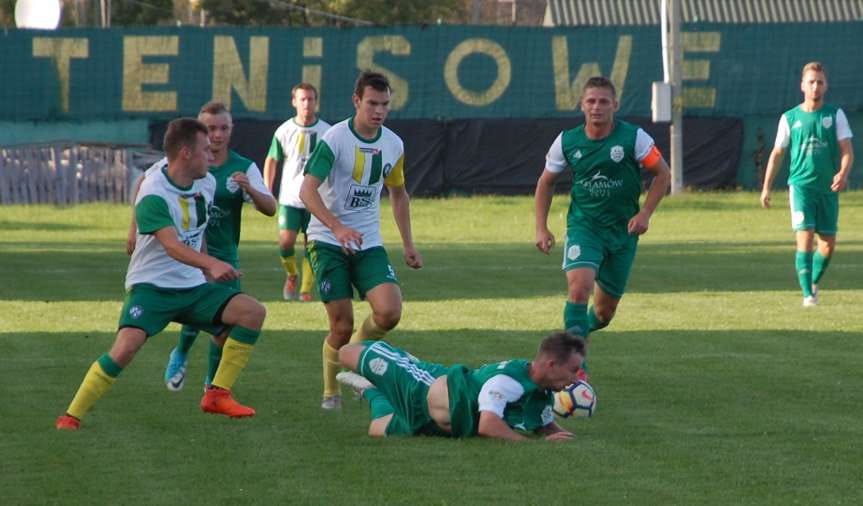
{"x":151,"y":308}
{"x":405,"y":382}
{"x":611,"y":258}
{"x":814,"y":210}
{"x":337,"y":273}
{"x":293,"y":218}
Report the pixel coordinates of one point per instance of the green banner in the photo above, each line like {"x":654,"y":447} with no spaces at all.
{"x":436,"y":72}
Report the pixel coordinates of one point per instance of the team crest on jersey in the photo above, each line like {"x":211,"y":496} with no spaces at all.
{"x":387,"y":169}
{"x":547,"y":415}
{"x":573,"y":252}
{"x":361,"y":197}
{"x":325,"y":286}
{"x":616,"y":153}
{"x":231,"y":185}
{"x":135,"y":312}
{"x":827,"y":121}
{"x":378,"y":366}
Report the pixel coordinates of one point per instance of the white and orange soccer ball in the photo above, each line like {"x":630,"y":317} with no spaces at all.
{"x":577,"y":399}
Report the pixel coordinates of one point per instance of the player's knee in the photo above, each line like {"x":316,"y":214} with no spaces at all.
{"x":341,"y":330}
{"x":388,"y":318}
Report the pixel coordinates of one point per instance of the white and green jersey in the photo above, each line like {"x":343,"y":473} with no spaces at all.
{"x":161,"y":203}
{"x":814,"y":139}
{"x":292,"y":146}
{"x":225,"y":214}
{"x":606,"y":174}
{"x":353,"y":171}
{"x":505,"y":389}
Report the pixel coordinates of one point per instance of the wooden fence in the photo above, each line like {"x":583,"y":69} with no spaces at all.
{"x":65,"y":173}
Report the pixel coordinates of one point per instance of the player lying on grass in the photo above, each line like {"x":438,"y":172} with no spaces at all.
{"x":502,"y":400}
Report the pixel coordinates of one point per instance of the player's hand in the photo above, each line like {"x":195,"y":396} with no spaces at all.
{"x":544,"y":241}
{"x":839,"y":183}
{"x":223,"y":271}
{"x":243,"y":180}
{"x":131,"y":241}
{"x":765,"y":199}
{"x":413,"y":258}
{"x":560,"y":436}
{"x":350,"y":239}
{"x":638,"y":224}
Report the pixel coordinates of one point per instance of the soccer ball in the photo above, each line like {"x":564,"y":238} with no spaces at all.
{"x":577,"y":399}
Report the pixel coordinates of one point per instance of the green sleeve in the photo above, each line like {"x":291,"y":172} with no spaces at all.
{"x":152,"y":215}
{"x":321,"y":162}
{"x":276,"y":150}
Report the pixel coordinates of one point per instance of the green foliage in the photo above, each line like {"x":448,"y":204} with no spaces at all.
{"x":714,"y":385}
{"x":144,"y":13}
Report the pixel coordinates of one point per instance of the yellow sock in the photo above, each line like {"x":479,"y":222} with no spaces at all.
{"x":96,"y":383}
{"x":290,"y":265}
{"x":308,"y":282}
{"x":235,"y":356}
{"x":332,"y":366}
{"x":369,"y":330}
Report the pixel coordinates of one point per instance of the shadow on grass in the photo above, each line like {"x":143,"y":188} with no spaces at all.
{"x":452,"y":271}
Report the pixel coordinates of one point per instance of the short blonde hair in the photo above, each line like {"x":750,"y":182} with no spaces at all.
{"x":816,"y":66}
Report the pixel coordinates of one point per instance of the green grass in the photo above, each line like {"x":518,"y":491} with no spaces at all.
{"x":714,"y":385}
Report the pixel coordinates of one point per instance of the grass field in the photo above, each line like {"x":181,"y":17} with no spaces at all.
{"x":715,"y":386}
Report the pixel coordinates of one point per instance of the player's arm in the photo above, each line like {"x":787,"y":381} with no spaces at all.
{"x":255,"y":190}
{"x":774,"y":161}
{"x":493,"y":426}
{"x":554,"y":432}
{"x":651,"y":159}
{"x":132,"y":237}
{"x":846,"y":152}
{"x":317,"y":169}
{"x":271,"y":163}
{"x":153,"y":217}
{"x":495,"y":394}
{"x":401,"y":203}
{"x":212,"y":267}
{"x":555,"y":163}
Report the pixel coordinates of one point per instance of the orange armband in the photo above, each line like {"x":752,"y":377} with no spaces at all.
{"x":653,"y":156}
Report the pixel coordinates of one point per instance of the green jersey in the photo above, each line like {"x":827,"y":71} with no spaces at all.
{"x":606,"y":174}
{"x":814,"y":140}
{"x":503,"y":388}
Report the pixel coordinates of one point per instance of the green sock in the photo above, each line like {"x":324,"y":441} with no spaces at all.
{"x":213,"y":359}
{"x":803,"y":263}
{"x":187,"y":339}
{"x":819,"y":265}
{"x":575,"y":318}
{"x":593,"y":321}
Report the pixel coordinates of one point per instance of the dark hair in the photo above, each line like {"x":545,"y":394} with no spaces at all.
{"x":182,"y":132}
{"x":214,"y":108}
{"x":816,"y":66}
{"x":304,"y":86}
{"x":561,"y":345}
{"x":599,"y":82}
{"x":376,"y":80}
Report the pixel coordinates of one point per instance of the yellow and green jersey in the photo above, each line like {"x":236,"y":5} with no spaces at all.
{"x":606,"y":174}
{"x":353,"y":171}
{"x":292,"y":146}
{"x":814,"y":141}
{"x":162,"y":203}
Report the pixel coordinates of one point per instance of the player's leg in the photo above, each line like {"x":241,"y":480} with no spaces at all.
{"x":101,"y":375}
{"x":307,"y":280}
{"x":582,"y":256}
{"x":803,"y":212}
{"x":611,"y":279}
{"x":826,"y":226}
{"x":332,"y":271}
{"x":289,"y":224}
{"x":145,"y":312}
{"x":376,"y":280}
